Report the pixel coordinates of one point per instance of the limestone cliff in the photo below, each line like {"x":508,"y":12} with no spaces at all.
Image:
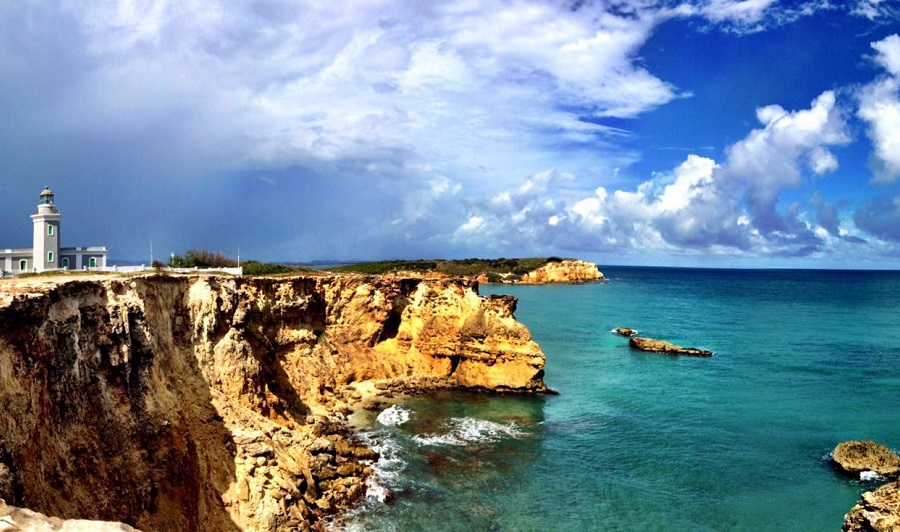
{"x":207,"y":403}
{"x":565,"y":271}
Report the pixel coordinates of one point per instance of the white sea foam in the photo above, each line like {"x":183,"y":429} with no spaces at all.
{"x":387,"y":468}
{"x":394,"y":416}
{"x":376,"y":490}
{"x":468,"y":431}
{"x":869,"y":476}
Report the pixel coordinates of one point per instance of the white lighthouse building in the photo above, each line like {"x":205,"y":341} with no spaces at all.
{"x":47,"y":254}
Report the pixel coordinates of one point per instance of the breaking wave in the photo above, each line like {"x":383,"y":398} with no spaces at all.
{"x":394,"y":416}
{"x":387,"y":468}
{"x":869,"y":476}
{"x":468,"y":431}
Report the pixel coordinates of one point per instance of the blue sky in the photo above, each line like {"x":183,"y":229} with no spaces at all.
{"x":752,"y":133}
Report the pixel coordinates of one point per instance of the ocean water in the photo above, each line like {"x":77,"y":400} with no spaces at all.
{"x":637,"y":441}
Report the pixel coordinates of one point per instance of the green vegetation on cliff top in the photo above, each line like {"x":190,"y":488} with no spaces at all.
{"x":201,"y":258}
{"x":503,"y":267}
{"x":496,"y":270}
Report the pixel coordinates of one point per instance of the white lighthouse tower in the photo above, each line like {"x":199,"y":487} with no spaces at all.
{"x":46,"y":233}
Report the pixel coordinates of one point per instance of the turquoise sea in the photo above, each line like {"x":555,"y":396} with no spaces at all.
{"x":637,"y":441}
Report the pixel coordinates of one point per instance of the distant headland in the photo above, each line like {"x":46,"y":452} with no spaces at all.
{"x":503,"y":270}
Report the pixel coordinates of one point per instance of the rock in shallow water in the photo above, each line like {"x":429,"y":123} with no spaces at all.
{"x":856,"y":457}
{"x":625,"y":331}
{"x":661,"y":346}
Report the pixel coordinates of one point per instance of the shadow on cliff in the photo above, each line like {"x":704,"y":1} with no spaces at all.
{"x":107,"y":414}
{"x":304,"y":311}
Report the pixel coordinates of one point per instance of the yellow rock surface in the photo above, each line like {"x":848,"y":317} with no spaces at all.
{"x":566,"y":271}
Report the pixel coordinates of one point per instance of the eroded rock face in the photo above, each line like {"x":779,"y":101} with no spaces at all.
{"x":207,"y":403}
{"x":855,"y":457}
{"x":877,"y":511}
{"x":661,"y":346}
{"x":566,"y":271}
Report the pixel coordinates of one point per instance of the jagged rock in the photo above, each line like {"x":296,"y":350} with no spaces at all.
{"x":242,"y":437}
{"x":565,"y":271}
{"x":876,"y":511}
{"x":625,"y":331}
{"x":192,"y":402}
{"x":856,"y":457}
{"x":321,"y":445}
{"x":661,"y":346}
{"x":258,"y":449}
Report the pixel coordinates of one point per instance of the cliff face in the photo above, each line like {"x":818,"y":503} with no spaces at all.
{"x":566,"y":271}
{"x":205,"y":403}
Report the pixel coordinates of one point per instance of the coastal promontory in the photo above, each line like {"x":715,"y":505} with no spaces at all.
{"x":503,"y":270}
{"x":563,"y":271}
{"x":193,"y":402}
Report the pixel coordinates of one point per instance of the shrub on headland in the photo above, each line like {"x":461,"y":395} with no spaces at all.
{"x":494,"y":277}
{"x":201,"y":258}
{"x":387,"y":266}
{"x":252,"y":267}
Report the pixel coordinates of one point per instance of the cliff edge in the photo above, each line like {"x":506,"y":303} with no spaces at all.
{"x":213,"y":403}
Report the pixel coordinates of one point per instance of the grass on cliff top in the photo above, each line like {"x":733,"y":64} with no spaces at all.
{"x":464,"y":267}
{"x":253,"y":267}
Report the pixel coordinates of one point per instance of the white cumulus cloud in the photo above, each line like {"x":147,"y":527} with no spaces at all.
{"x":701,"y":205}
{"x":772,"y":158}
{"x":879,"y":107}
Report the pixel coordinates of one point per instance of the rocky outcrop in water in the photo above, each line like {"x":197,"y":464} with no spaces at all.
{"x":661,"y":346}
{"x":214,"y":403}
{"x":625,"y":331}
{"x":876,"y":511}
{"x":564,"y":271}
{"x":856,"y":457}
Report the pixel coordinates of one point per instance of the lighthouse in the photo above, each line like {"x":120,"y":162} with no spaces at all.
{"x":46,"y":252}
{"x":46,"y":233}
